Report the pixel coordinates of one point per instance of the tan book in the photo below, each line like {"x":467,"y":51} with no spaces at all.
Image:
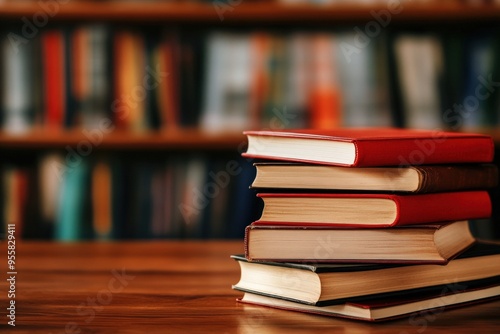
{"x":406,"y":244}
{"x":415,"y":179}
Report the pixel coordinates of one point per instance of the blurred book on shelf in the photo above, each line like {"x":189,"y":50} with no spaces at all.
{"x":419,"y":67}
{"x":142,"y":81}
{"x":111,"y":198}
{"x":222,"y":80}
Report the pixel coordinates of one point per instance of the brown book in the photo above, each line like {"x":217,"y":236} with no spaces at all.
{"x":405,"y":244}
{"x":101,"y":200}
{"x":415,"y":179}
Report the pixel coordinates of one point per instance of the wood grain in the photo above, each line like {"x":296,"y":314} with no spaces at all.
{"x":251,"y":11}
{"x":168,"y":140}
{"x":173,"y":287}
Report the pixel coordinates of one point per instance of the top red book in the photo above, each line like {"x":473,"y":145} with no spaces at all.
{"x":367,"y":147}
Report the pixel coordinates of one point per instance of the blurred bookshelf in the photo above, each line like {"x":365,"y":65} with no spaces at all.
{"x":145,"y":102}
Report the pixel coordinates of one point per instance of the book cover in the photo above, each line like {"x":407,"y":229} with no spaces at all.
{"x":53,"y":47}
{"x":370,"y":147}
{"x":228,"y":82}
{"x":71,"y":223}
{"x":325,"y":100}
{"x":152,"y":107}
{"x":102,"y":217}
{"x":100,"y":70}
{"x":419,"y":63}
{"x":122,"y":186}
{"x":479,"y":57}
{"x":17,"y":90}
{"x":15,"y":193}
{"x":363,"y":82}
{"x":71,"y":59}
{"x":166,"y":58}
{"x":130,"y":65}
{"x":191,"y":73}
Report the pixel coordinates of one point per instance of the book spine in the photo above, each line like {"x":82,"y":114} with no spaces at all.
{"x":54,"y":66}
{"x":246,"y":242}
{"x":442,"y":207}
{"x":101,"y":179}
{"x":439,"y":179}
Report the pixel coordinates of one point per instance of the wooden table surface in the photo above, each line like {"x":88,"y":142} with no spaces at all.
{"x":172,"y":287}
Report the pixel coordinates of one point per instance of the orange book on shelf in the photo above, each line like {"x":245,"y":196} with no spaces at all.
{"x":260,"y":80}
{"x":16,"y":194}
{"x":325,"y":108}
{"x":80,"y":64}
{"x":166,"y":57}
{"x":54,"y":82}
{"x":101,"y":200}
{"x":130,"y":93}
{"x":324,"y":97}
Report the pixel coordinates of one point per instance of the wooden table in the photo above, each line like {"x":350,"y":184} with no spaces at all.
{"x":171,"y":287}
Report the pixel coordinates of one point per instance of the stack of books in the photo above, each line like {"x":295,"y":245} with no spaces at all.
{"x":369,"y":224}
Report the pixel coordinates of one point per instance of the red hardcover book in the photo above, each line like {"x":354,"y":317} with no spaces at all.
{"x":55,"y":87}
{"x":370,"y":147}
{"x":372,"y":210}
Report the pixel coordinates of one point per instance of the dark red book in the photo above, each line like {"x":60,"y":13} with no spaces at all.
{"x":372,"y":209}
{"x":368,"y":147}
{"x":55,"y":87}
{"x":405,"y":244}
{"x":416,"y":306}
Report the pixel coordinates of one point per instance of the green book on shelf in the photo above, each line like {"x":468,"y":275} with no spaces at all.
{"x":71,"y":218}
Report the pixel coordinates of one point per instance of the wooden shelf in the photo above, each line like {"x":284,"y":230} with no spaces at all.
{"x":175,"y":140}
{"x":248,"y":12}
{"x":191,"y":139}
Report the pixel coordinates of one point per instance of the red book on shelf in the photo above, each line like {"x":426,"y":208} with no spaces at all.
{"x":370,"y":147}
{"x":55,"y":87}
{"x":372,"y":210}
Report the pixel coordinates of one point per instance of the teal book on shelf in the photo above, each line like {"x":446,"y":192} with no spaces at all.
{"x":71,"y":215}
